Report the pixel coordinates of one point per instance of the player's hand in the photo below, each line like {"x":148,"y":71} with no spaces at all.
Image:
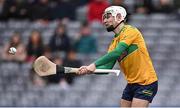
{"x":86,"y":69}
{"x":91,"y":68}
{"x":82,"y":70}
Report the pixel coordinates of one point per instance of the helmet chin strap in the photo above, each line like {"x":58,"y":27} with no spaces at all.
{"x":112,"y":28}
{"x":118,"y":24}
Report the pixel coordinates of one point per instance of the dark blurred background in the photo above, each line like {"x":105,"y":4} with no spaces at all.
{"x":70,"y":33}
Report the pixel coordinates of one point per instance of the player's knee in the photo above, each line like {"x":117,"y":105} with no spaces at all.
{"x":125,"y":103}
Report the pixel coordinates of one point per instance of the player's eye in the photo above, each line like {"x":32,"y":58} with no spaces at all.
{"x":106,"y":16}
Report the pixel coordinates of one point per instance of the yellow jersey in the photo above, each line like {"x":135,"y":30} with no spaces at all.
{"x":135,"y":61}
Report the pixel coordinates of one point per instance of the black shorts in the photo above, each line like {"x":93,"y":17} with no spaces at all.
{"x":145,"y":92}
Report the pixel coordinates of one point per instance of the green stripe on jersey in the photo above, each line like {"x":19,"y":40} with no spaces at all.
{"x":128,"y":51}
{"x":132,"y":48}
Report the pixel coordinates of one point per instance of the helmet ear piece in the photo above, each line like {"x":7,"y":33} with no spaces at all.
{"x":118,"y":17}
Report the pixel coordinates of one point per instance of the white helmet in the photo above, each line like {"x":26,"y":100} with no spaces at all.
{"x":114,"y":10}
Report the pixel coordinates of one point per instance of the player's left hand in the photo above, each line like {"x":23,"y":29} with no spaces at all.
{"x":86,"y":69}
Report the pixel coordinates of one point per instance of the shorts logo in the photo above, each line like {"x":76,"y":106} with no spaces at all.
{"x":147,"y":92}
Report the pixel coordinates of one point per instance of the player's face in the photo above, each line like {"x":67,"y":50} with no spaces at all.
{"x":108,"y":21}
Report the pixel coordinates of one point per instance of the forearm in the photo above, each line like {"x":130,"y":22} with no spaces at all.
{"x":109,"y":65}
{"x":112,"y":56}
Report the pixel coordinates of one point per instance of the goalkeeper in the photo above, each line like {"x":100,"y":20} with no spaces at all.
{"x":129,"y":49}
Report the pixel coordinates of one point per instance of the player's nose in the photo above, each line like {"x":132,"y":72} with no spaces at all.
{"x":105,"y":21}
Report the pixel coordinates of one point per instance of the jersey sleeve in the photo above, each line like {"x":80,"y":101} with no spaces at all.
{"x":111,"y":56}
{"x":109,"y":65}
{"x":129,"y":36}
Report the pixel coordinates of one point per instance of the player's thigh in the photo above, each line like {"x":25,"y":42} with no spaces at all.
{"x":139,"y":103}
{"x":125,"y":103}
{"x":144,"y":94}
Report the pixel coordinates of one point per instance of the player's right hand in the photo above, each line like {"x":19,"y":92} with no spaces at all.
{"x":83,"y":70}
